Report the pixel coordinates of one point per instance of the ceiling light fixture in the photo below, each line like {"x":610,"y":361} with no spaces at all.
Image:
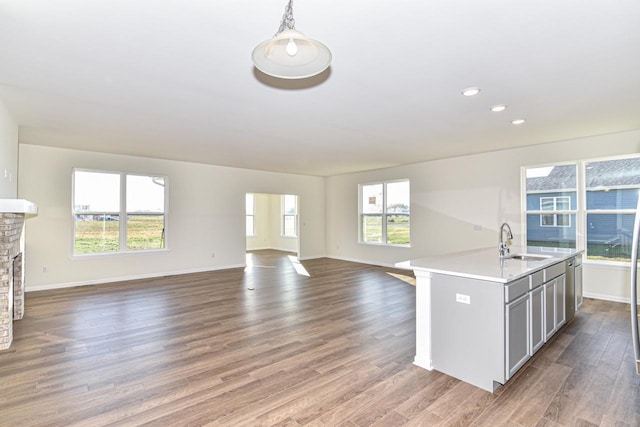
{"x":471,"y":91}
{"x":498,"y":108}
{"x":290,"y":54}
{"x":517,"y":121}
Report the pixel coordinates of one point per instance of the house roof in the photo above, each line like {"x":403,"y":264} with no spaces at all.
{"x":559,"y":178}
{"x":623,"y":172}
{"x":618,"y":173}
{"x":174,"y":79}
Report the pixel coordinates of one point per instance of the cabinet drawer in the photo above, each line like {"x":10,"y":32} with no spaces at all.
{"x":536,"y":279}
{"x":516,"y":289}
{"x":554,"y":271}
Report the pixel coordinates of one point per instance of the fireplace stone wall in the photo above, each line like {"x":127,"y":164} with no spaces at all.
{"x":11,"y":274}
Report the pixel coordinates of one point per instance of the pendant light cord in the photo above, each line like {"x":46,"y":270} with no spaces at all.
{"x":288,"y":22}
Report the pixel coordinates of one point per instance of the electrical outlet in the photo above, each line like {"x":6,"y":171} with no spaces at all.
{"x":45,"y":269}
{"x":464,"y":299}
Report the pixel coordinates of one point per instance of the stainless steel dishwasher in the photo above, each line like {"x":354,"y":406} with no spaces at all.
{"x":574,"y":286}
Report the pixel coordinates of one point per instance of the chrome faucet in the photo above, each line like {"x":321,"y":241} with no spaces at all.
{"x":503,"y":248}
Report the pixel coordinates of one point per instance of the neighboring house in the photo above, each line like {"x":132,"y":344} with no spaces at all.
{"x":545,"y":229}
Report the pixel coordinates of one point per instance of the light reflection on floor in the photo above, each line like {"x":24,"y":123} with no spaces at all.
{"x":250,"y":262}
{"x":404,"y":277}
{"x":298,"y":267}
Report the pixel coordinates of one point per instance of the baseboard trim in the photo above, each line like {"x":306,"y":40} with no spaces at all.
{"x":126,"y":278}
{"x":311,"y":257}
{"x":605,"y":297}
{"x":259,"y":248}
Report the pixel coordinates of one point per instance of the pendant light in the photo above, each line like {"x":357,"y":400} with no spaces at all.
{"x":290,"y":54}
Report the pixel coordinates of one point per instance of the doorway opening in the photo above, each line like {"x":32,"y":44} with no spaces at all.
{"x":272,"y":222}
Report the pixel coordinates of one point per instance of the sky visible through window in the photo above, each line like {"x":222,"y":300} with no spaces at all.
{"x":100,"y":192}
{"x":145,"y":194}
{"x":398,"y":193}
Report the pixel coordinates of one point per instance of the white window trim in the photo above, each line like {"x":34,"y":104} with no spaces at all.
{"x":252,"y":214}
{"x":122,"y":213}
{"x":555,"y":211}
{"x":383,"y":214}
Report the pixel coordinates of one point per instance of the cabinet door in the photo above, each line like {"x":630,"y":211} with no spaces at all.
{"x":537,"y":319}
{"x":517,"y":334}
{"x":578,"y":279}
{"x":560,"y":302}
{"x":549,"y":309}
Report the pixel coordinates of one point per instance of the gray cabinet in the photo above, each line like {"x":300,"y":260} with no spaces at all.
{"x":549,"y":309}
{"x":554,"y":304}
{"x":483,"y":331}
{"x":536,"y":300}
{"x":534,"y":311}
{"x":517,"y":322}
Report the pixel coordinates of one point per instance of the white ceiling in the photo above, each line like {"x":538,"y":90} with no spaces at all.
{"x":173,"y":79}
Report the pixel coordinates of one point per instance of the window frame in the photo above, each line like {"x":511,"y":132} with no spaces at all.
{"x":384,"y":215}
{"x":284,"y":215}
{"x":122,"y":213}
{"x":251,"y":215}
{"x":580,"y":210}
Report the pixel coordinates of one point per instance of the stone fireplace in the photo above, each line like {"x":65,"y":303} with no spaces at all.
{"x":13,"y":213}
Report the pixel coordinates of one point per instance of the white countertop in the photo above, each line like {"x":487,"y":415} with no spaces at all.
{"x":18,"y":206}
{"x":486,"y":264}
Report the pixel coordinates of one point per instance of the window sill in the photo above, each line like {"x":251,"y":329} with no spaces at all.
{"x":388,"y":245}
{"x":117,"y":254}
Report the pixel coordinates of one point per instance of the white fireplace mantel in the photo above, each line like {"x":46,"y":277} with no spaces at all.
{"x":18,"y":206}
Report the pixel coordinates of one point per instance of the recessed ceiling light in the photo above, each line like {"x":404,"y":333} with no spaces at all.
{"x":517,"y":121}
{"x":498,"y":108}
{"x":471,"y":91}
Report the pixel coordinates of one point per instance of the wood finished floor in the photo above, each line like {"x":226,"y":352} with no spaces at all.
{"x":333,"y":348}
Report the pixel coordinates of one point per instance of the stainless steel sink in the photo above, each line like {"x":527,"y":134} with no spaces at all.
{"x":528,"y":257}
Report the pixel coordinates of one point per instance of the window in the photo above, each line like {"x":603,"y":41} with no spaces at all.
{"x":561,"y":203}
{"x":385,"y":213}
{"x":601,"y":194}
{"x":551,"y":199}
{"x":289,"y":215}
{"x":145,"y":212}
{"x":250,"y":211}
{"x":117,"y":212}
{"x":612,"y":188}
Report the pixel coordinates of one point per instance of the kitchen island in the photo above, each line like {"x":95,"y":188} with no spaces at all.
{"x":480,"y":317}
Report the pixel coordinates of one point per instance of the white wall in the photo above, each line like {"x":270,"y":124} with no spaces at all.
{"x":459,"y":203}
{"x":8,"y":155}
{"x":206,"y":216}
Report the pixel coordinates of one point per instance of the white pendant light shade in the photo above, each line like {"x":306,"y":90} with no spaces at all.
{"x":291,"y":55}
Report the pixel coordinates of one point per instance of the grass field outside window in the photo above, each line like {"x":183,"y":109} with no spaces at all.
{"x":103,"y":200}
